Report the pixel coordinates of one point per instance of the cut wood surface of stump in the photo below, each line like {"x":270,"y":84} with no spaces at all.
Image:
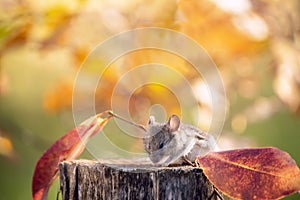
{"x":85,"y":179}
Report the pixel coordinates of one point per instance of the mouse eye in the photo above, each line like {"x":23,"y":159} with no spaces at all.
{"x":161,"y":145}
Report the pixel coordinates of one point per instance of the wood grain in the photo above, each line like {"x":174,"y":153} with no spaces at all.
{"x":85,"y":179}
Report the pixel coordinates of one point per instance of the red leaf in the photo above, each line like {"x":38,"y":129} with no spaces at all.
{"x":255,"y":173}
{"x":68,"y":147}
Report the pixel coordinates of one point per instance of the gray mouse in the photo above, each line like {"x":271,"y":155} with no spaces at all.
{"x":173,"y":142}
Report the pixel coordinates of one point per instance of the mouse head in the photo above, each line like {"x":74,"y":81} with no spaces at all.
{"x":159,"y":135}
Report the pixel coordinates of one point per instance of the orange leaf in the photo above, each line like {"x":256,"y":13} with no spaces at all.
{"x":255,"y":173}
{"x":68,"y":147}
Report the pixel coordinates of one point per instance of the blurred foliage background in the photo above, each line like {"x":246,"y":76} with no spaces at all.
{"x":254,"y":43}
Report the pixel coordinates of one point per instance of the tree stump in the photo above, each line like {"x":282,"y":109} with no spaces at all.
{"x":85,"y":179}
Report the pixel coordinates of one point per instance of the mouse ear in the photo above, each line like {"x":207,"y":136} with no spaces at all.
{"x":151,"y":120}
{"x":174,"y":123}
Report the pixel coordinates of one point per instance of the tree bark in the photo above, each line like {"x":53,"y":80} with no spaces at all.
{"x":83,"y":179}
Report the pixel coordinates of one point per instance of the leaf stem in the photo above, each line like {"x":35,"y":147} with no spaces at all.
{"x":129,"y":122}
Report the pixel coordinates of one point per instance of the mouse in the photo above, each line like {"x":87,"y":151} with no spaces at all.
{"x":176,"y":143}
{"x":173,"y":142}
